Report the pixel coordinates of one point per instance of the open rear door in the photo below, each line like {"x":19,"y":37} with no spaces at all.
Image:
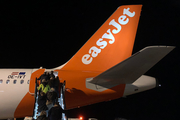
{"x":34,"y":75}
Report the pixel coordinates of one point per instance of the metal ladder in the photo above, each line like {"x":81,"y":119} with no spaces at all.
{"x":61,"y":101}
{"x":35,"y":114}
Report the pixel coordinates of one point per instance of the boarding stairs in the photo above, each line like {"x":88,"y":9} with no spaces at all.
{"x":61,"y":100}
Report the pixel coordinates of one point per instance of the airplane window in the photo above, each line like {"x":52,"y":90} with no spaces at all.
{"x":8,"y":81}
{"x":1,"y":81}
{"x":14,"y":81}
{"x":28,"y":82}
{"x":22,"y":81}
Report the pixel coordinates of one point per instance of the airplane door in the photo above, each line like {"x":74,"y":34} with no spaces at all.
{"x":34,"y":75}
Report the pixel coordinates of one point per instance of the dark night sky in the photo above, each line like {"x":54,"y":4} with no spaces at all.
{"x":48,"y":34}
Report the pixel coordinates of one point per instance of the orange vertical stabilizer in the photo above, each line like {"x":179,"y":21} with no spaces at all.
{"x":111,"y":44}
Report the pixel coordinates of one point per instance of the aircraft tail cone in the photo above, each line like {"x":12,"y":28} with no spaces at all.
{"x":157,"y":83}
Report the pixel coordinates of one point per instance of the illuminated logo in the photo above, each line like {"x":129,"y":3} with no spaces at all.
{"x":94,"y":50}
{"x":16,"y":75}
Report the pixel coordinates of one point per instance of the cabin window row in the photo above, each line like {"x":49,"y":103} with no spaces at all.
{"x":14,"y":81}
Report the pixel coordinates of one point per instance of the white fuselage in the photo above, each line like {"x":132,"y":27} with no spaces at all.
{"x":14,"y":84}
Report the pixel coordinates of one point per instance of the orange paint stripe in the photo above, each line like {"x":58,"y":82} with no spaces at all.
{"x":25,"y":107}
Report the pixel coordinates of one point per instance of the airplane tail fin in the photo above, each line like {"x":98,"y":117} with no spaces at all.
{"x":111,"y":44}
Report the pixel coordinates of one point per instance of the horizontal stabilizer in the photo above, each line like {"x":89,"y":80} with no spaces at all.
{"x":132,"y":68}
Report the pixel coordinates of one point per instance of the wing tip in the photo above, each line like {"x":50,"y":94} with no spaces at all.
{"x":159,"y":46}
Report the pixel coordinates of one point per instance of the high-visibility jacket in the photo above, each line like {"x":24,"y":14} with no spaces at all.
{"x":44,"y":89}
